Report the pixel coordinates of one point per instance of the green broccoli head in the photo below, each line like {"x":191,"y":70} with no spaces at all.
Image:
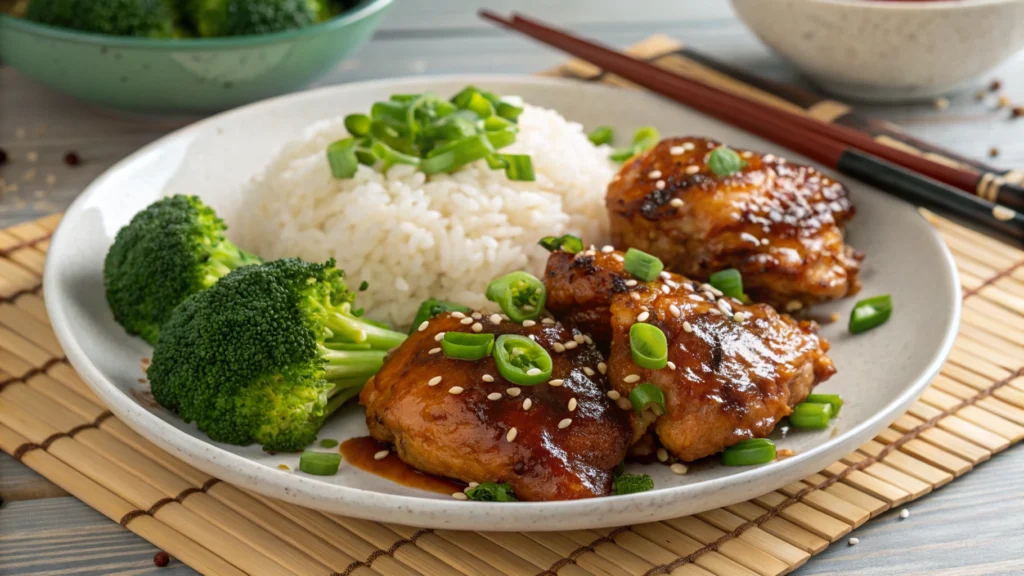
{"x":266,"y":354}
{"x":632,"y":483}
{"x":245,"y":17}
{"x":151,"y":18}
{"x":169,"y":251}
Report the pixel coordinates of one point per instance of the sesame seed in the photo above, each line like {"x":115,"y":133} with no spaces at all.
{"x":477,"y":327}
{"x":527,"y":404}
{"x":713,"y":290}
{"x":739,"y":317}
{"x":660,"y":184}
{"x":476,"y":315}
{"x":715,"y":311}
{"x":634,"y":295}
{"x":466,"y":321}
{"x":678,"y":468}
{"x":602,"y":367}
{"x":794,"y":305}
{"x":548,"y":321}
{"x":529,"y":323}
{"x":460,"y":496}
{"x":456,"y":390}
{"x":495,"y":319}
{"x":458,"y":314}
{"x":588,"y":339}
{"x":381,"y":455}
{"x":473,"y":485}
{"x":671,"y":365}
{"x":687,"y":327}
{"x":624,"y":403}
{"x":559,"y":347}
{"x":675,"y":203}
{"x":564,"y":423}
{"x":614,"y":394}
{"x":439,"y":336}
{"x":692,"y":169}
{"x":854,"y":541}
{"x":631,"y":379}
{"x":572,"y":405}
{"x":654,"y":174}
{"x":571,"y":344}
{"x":709,"y":296}
{"x":689,"y":145}
{"x":578,"y":338}
{"x":725,"y":307}
{"x":643,"y":316}
{"x":434,"y":351}
{"x":696,"y":298}
{"x":556,"y":382}
{"x":608,"y":249}
{"x":533,"y":371}
{"x":631,"y":283}
{"x":675,"y":310}
{"x":487,"y":378}
{"x":494,"y":396}
{"x":618,"y":257}
{"x":904,"y":514}
{"x":513,"y":392}
{"x":511,"y":434}
{"x":665,"y":289}
{"x":423,"y":325}
{"x":588,"y":370}
{"x":434,"y":381}
{"x":675,"y":150}
{"x":1002,"y":213}
{"x":662,"y":455}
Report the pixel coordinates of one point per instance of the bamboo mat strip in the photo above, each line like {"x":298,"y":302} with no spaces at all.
{"x":52,"y":422}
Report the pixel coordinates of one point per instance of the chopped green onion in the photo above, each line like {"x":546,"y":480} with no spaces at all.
{"x":480,"y":106}
{"x":432,"y":307}
{"x":496,"y":162}
{"x":492,"y":492}
{"x":811,"y":415}
{"x":358,"y":124}
{"x":633,"y":483}
{"x":507,"y":110}
{"x":729,"y":282}
{"x":869,"y":313}
{"x":444,"y":162}
{"x":521,"y":360}
{"x":391,"y":156}
{"x":461,"y":99}
{"x":566,"y":243}
{"x":749,"y":452}
{"x":646,"y":397}
{"x":642,"y":265}
{"x":648,"y":345}
{"x":551,"y":243}
{"x":363,"y":286}
{"x":465,"y":151}
{"x":341,"y":157}
{"x":622,"y":154}
{"x":643,"y":139}
{"x":366,"y":157}
{"x":601,"y":135}
{"x":328,"y":443}
{"x":404,"y":97}
{"x":520,"y":167}
{"x":320,"y":463}
{"x":520,"y":295}
{"x":498,"y":123}
{"x":724,"y":161}
{"x":466,"y":345}
{"x":501,"y":138}
{"x":834,"y":399}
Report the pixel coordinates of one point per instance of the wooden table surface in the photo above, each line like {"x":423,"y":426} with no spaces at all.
{"x":973,"y":526}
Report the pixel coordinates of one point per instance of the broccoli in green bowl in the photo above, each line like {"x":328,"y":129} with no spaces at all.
{"x":148,"y":18}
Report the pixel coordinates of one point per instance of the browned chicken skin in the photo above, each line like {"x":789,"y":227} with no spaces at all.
{"x":733,"y":378}
{"x":466,"y":435}
{"x":779,"y":224}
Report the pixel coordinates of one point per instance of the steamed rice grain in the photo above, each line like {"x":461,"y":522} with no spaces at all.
{"x":447,"y":236}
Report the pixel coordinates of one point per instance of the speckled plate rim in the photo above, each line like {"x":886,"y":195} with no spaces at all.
{"x":447,"y":514}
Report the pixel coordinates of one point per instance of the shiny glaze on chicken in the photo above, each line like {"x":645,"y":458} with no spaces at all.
{"x":734,"y":377}
{"x":466,"y":435}
{"x":779,"y":224}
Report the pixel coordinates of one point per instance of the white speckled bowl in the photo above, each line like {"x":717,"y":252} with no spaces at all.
{"x":889,"y":51}
{"x":880,"y":373}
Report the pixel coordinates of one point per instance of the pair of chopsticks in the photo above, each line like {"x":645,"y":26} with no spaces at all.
{"x":909,"y":176}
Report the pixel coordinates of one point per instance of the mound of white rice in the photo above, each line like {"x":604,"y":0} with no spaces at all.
{"x":447,"y":236}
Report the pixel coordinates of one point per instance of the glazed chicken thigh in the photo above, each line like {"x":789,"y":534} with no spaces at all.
{"x":556,"y":440}
{"x":734,"y":370}
{"x":779,"y":224}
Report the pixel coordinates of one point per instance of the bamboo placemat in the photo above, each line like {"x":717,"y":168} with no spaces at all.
{"x":52,"y":422}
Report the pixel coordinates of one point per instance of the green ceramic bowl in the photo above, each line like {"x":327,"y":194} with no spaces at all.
{"x":187,"y":75}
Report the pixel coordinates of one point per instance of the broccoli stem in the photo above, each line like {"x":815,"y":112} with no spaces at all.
{"x":338,"y":396}
{"x":361,"y":331}
{"x":225,"y":257}
{"x":351,"y":363}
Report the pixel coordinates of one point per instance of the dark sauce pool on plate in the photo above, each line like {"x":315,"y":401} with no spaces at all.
{"x":359,"y":453}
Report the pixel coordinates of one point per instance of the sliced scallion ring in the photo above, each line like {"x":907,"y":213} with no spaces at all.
{"x":467,"y":345}
{"x":521,"y":360}
{"x":520,"y":295}
{"x":729,"y":282}
{"x":869,"y":313}
{"x":724,"y":161}
{"x":341,"y":156}
{"x":811,"y":415}
{"x":649,"y":347}
{"x":601,"y":135}
{"x":432,"y":307}
{"x":320,"y":463}
{"x":647,"y":397}
{"x":357,"y":124}
{"x":749,"y":452}
{"x":642,"y":265}
{"x":519,"y":168}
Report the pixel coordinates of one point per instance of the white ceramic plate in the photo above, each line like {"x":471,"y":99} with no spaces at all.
{"x":880,"y":372}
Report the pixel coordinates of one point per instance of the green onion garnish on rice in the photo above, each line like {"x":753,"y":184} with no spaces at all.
{"x":434,"y":135}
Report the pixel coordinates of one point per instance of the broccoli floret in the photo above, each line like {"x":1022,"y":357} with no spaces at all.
{"x":152,"y":18}
{"x":266,"y":354}
{"x":492,"y":492}
{"x":245,"y":17}
{"x":169,"y":251}
{"x":631,"y":483}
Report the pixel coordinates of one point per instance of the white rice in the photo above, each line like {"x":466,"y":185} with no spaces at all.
{"x":447,"y":236}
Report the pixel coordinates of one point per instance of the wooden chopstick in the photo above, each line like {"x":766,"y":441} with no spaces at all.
{"x":907,"y":175}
